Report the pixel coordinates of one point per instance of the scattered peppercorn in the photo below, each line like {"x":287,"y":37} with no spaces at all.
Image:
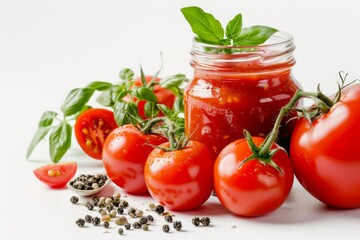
{"x":80,"y":222}
{"x":143,"y":220}
{"x":95,"y":200}
{"x":121,"y":220}
{"x":159,"y":209}
{"x":108,"y":201}
{"x":120,"y":210}
{"x":116,"y":195}
{"x":136,"y":225}
{"x":124,"y":204}
{"x":205,"y":221}
{"x":89,"y":182}
{"x":96,"y":221}
{"x":109,"y":207}
{"x":88,"y":218}
{"x":177,"y":225}
{"x":106,"y":224}
{"x":121,"y":231}
{"x":165,"y":228}
{"x":139,"y":213}
{"x":74,"y":199}
{"x":196,"y":221}
{"x":145,"y":227}
{"x":150,"y":218}
{"x":89,"y":206}
{"x":112,"y":213}
{"x":168,"y":218}
{"x":127,"y":226}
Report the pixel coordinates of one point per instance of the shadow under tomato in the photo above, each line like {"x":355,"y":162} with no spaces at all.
{"x":210,"y":208}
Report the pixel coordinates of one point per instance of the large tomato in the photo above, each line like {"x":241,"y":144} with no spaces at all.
{"x":325,"y":152}
{"x":254,"y":188}
{"x":92,"y":128}
{"x":164,"y":96}
{"x":181,"y":179}
{"x":56,"y":175}
{"x":124,"y":154}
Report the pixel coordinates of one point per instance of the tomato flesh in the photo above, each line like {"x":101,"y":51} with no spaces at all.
{"x":180,"y":180}
{"x":254,"y":189}
{"x":124,"y":154}
{"x":92,"y":128}
{"x":325,"y":153}
{"x":56,"y":175}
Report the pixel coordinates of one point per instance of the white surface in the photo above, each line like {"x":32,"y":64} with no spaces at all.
{"x":49,"y":47}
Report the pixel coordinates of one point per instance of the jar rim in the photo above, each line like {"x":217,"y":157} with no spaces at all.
{"x":278,"y":38}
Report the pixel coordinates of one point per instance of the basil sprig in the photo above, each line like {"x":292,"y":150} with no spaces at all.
{"x":209,"y":30}
{"x":110,"y":95}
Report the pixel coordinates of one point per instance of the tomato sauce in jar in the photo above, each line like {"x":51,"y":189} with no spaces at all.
{"x":237,"y":88}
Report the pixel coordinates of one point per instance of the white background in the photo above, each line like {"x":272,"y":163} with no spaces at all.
{"x":48,"y":47}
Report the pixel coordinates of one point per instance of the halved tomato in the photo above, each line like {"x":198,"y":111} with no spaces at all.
{"x":92,"y":128}
{"x":56,"y":175}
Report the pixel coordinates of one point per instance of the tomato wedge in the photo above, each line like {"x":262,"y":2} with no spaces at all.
{"x":56,"y":175}
{"x":92,"y":128}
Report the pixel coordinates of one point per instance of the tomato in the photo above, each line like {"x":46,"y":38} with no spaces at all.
{"x":252,"y":189}
{"x":56,"y":175}
{"x":164,"y":96}
{"x":180,"y":180}
{"x":92,"y":128}
{"x":124,"y":155}
{"x":325,"y":153}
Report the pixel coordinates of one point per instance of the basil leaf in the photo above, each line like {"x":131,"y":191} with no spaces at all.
{"x":100,"y":86}
{"x":105,"y":99}
{"x":179,"y":104}
{"x":204,"y":25}
{"x":47,"y":118}
{"x":151,"y":110}
{"x":125,"y":113}
{"x":173,"y":81}
{"x":164,"y":109}
{"x":75,"y":100}
{"x":60,"y":141}
{"x":126,"y":74}
{"x":233,"y":28}
{"x":83,"y":109}
{"x":254,"y":35}
{"x":144,"y":94}
{"x":39,"y":135}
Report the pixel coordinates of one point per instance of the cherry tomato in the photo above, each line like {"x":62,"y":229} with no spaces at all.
{"x":325,"y":153}
{"x":164,"y":96}
{"x":124,"y":155}
{"x":252,"y":189}
{"x":180,"y":180}
{"x":56,"y":175}
{"x":92,"y":128}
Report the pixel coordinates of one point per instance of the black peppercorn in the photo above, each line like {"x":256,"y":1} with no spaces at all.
{"x":165,"y":228}
{"x":124,"y":204}
{"x":168,"y":218}
{"x":74,"y":199}
{"x":88,"y":218}
{"x":127,"y":226}
{"x":106,"y":224}
{"x":205,"y":221}
{"x":159,"y":209}
{"x":177,"y":225}
{"x":80,"y":222}
{"x":120,"y":210}
{"x":120,"y":231}
{"x":143,"y":220}
{"x":196,"y":221}
{"x":150,"y":218}
{"x":95,"y":200}
{"x":136,"y":225}
{"x":89,"y":206}
{"x":96,"y":221}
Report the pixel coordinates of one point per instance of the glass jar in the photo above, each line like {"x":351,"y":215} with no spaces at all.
{"x":237,"y":88}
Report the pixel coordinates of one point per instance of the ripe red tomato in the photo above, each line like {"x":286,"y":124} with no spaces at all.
{"x":124,"y":155}
{"x":164,"y":96}
{"x":180,"y":180}
{"x":92,"y":128}
{"x":56,"y":175}
{"x":254,"y":189}
{"x":325,"y":153}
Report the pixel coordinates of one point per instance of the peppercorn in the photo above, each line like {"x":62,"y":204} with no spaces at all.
{"x":152,"y":206}
{"x":131,"y":210}
{"x":116,"y":195}
{"x":136,"y":225}
{"x":124,"y":204}
{"x":96,"y":221}
{"x":177,"y":225}
{"x":109,"y":207}
{"x":95,"y":200}
{"x":168,"y":218}
{"x":150,"y":218}
{"x":165,"y":228}
{"x":139,"y":213}
{"x":127,"y":226}
{"x":143,"y":220}
{"x":121,"y":231}
{"x":80,"y":222}
{"x":145,"y":227}
{"x":105,"y":218}
{"x":159,"y":209}
{"x":121,"y":220}
{"x":108,"y":201}
{"x":196,"y":221}
{"x":88,"y":218}
{"x":106,"y":224}
{"x":102,"y":212}
{"x":120,"y":210}
{"x":116,"y":202}
{"x":205,"y":221}
{"x":89,"y":206}
{"x":112,"y":213}
{"x":102,"y":200}
{"x":74,"y":199}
